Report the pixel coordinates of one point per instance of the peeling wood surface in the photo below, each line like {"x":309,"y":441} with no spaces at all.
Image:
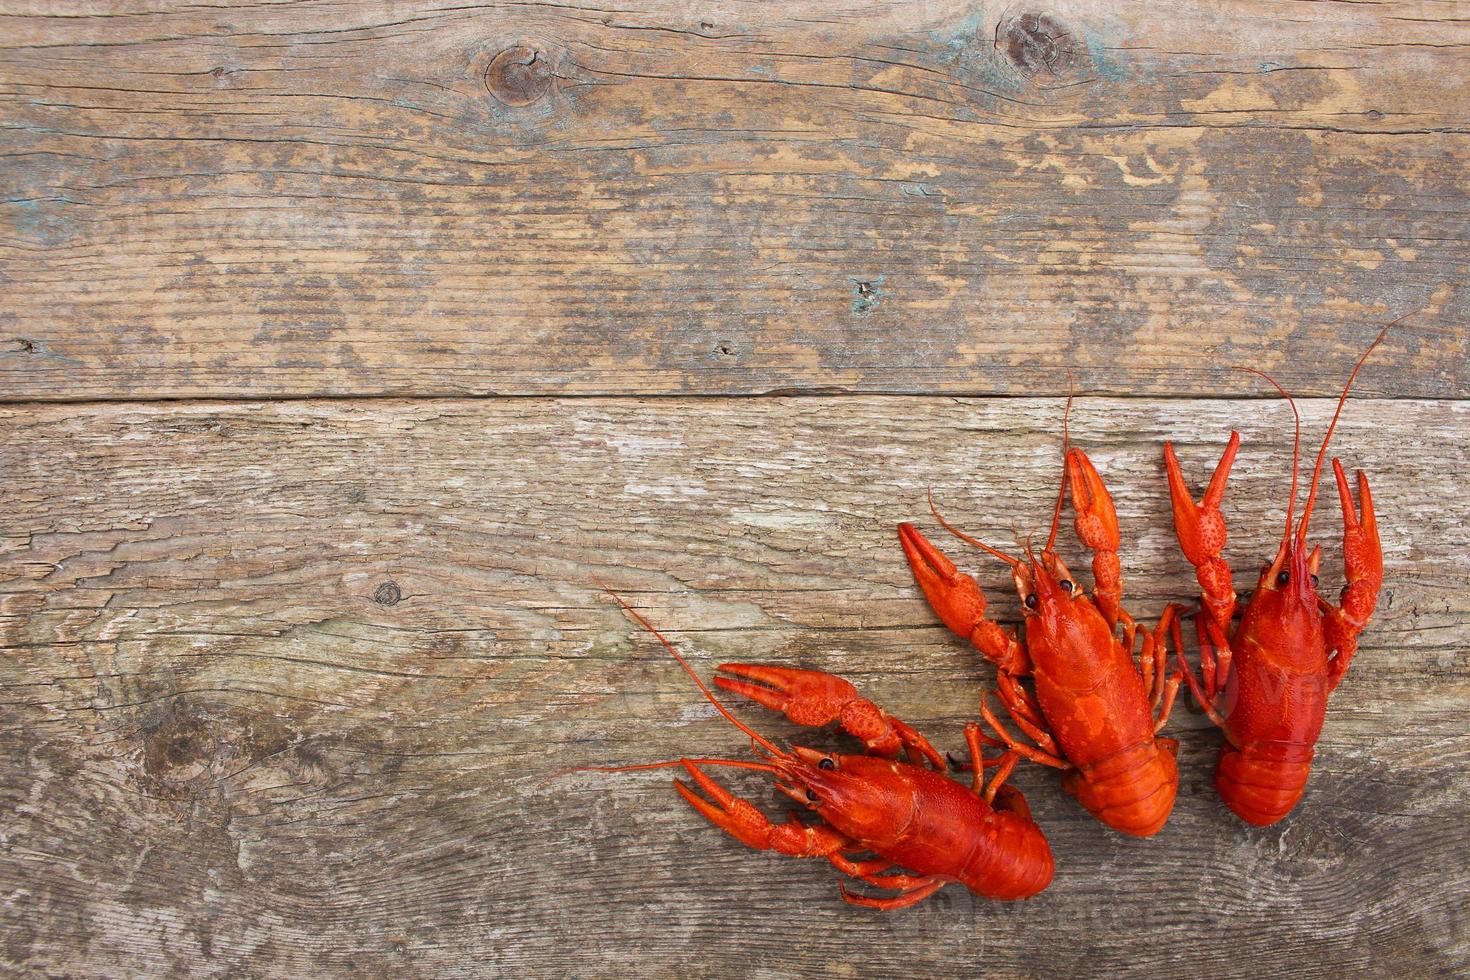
{"x":533,"y":198}
{"x":285,"y":684}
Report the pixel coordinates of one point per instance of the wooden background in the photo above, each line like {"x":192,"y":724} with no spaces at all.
{"x":345,"y":347}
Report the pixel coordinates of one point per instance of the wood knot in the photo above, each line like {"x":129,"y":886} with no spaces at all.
{"x":1038,"y":43}
{"x":387,"y":594}
{"x":519,"y":75}
{"x":174,"y":750}
{"x":178,"y":752}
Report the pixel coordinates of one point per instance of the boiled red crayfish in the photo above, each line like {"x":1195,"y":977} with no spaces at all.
{"x":905,"y":813}
{"x":1266,"y":684}
{"x":1095,"y":715}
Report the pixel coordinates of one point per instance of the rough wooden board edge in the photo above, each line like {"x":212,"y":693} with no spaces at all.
{"x":229,"y":748}
{"x":925,"y":198}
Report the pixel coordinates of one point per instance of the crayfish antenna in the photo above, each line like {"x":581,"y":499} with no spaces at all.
{"x":1028,"y":549}
{"x":665,"y":764}
{"x":755,"y":736}
{"x":1342,"y":399}
{"x":1296,"y":450}
{"x":1013,"y":562}
{"x":1056,"y":516}
{"x":662,"y":764}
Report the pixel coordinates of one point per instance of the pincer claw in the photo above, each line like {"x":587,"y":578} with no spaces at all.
{"x":741,"y":820}
{"x":815,"y":698}
{"x":1097,"y":527}
{"x":1362,"y":556}
{"x":734,"y":816}
{"x":1362,"y":553}
{"x":954,"y":596}
{"x":1200,"y":528}
{"x":1097,"y":520}
{"x":807,"y":697}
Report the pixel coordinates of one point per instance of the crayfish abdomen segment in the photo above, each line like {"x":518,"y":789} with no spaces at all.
{"x":1131,"y":791}
{"x":935,"y":826}
{"x":1015,"y":861}
{"x":1264,"y":780}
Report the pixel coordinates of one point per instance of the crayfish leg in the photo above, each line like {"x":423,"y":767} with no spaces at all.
{"x":1010,"y":800}
{"x":1025,"y":713}
{"x":1171,"y":691}
{"x":1162,"y":688}
{"x":902,"y":900}
{"x":1030,"y":752}
{"x":1205,"y":702}
{"x":976,"y":739}
{"x":859,"y":869}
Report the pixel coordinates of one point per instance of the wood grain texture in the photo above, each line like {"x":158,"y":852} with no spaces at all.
{"x":281,"y":200}
{"x":283,"y":685}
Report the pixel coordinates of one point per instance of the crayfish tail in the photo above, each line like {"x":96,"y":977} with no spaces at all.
{"x":1262,"y":783}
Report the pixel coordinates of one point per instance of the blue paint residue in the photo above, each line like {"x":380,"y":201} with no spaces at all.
{"x":37,"y":218}
{"x":867,"y":295}
{"x":1107,"y":67}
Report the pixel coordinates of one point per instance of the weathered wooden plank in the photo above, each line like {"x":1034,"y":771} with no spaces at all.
{"x":283,"y":685}
{"x":415,"y":198}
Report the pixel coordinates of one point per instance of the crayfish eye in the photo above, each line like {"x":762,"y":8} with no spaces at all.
{"x":826,"y":763}
{"x":811,"y":797}
{"x":1032,"y":602}
{"x":1282,"y":578}
{"x":1316,"y":582}
{"x":1067,"y":584}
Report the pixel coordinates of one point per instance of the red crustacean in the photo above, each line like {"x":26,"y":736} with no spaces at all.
{"x":1094,"y":715}
{"x":1266,"y":684}
{"x":903,"y":813}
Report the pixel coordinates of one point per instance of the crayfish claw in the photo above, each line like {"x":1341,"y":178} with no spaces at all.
{"x":1362,"y":556}
{"x":807,"y":697}
{"x":1097,"y":519}
{"x":1361,"y":551}
{"x":741,"y":820}
{"x":814,"y":698}
{"x":1097,"y":528}
{"x":736,"y":817}
{"x":1200,"y":528}
{"x":954,"y":596}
